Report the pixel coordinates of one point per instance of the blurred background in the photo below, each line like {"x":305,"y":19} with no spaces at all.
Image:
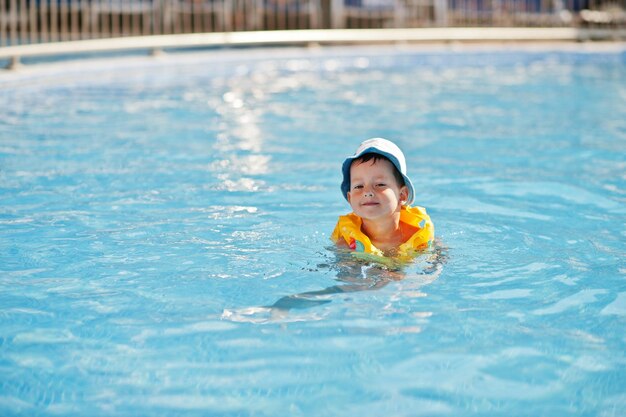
{"x":40,"y":21}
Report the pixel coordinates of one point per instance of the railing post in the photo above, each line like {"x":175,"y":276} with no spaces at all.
{"x":441,"y":12}
{"x":3,"y":23}
{"x":336,"y":14}
{"x":12,"y":21}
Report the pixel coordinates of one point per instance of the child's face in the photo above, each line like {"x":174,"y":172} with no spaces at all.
{"x":374,"y":192}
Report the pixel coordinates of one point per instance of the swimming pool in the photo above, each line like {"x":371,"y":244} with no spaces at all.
{"x":152,"y":209}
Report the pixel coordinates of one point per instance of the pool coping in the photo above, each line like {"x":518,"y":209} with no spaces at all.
{"x":157,"y":43}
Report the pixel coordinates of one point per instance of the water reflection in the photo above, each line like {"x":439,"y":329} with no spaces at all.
{"x":353,"y":275}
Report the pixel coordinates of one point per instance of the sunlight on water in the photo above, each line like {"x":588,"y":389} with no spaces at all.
{"x":165,"y":222}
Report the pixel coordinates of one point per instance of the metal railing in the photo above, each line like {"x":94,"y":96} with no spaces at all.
{"x":25,"y":22}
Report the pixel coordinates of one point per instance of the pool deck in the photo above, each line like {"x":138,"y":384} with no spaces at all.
{"x":310,"y":37}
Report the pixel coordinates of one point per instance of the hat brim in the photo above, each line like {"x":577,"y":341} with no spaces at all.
{"x":345,"y":168}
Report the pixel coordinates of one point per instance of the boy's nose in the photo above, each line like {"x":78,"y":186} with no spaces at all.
{"x":368,"y":193}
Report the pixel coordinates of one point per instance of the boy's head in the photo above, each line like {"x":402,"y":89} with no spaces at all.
{"x":373,"y":150}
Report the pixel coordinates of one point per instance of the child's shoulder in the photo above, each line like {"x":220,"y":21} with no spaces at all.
{"x":417,"y":210}
{"x":414,"y":215}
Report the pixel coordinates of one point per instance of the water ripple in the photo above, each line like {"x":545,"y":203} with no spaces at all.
{"x":578,"y":300}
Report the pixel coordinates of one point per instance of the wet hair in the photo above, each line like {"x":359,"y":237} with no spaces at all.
{"x":366,"y":157}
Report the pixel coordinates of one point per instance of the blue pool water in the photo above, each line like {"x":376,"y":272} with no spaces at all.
{"x":152,"y":211}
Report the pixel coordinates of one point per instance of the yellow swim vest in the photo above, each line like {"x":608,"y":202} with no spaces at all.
{"x":349,"y":229}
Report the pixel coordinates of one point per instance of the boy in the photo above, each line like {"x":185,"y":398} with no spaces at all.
{"x":379,"y":191}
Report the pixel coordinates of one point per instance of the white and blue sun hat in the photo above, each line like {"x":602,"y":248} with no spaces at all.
{"x":382,"y":147}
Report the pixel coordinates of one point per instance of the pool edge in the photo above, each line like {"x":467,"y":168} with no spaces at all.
{"x":309,"y":37}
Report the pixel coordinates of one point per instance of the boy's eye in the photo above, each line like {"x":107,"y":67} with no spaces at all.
{"x":382,"y":184}
{"x":357,"y":187}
